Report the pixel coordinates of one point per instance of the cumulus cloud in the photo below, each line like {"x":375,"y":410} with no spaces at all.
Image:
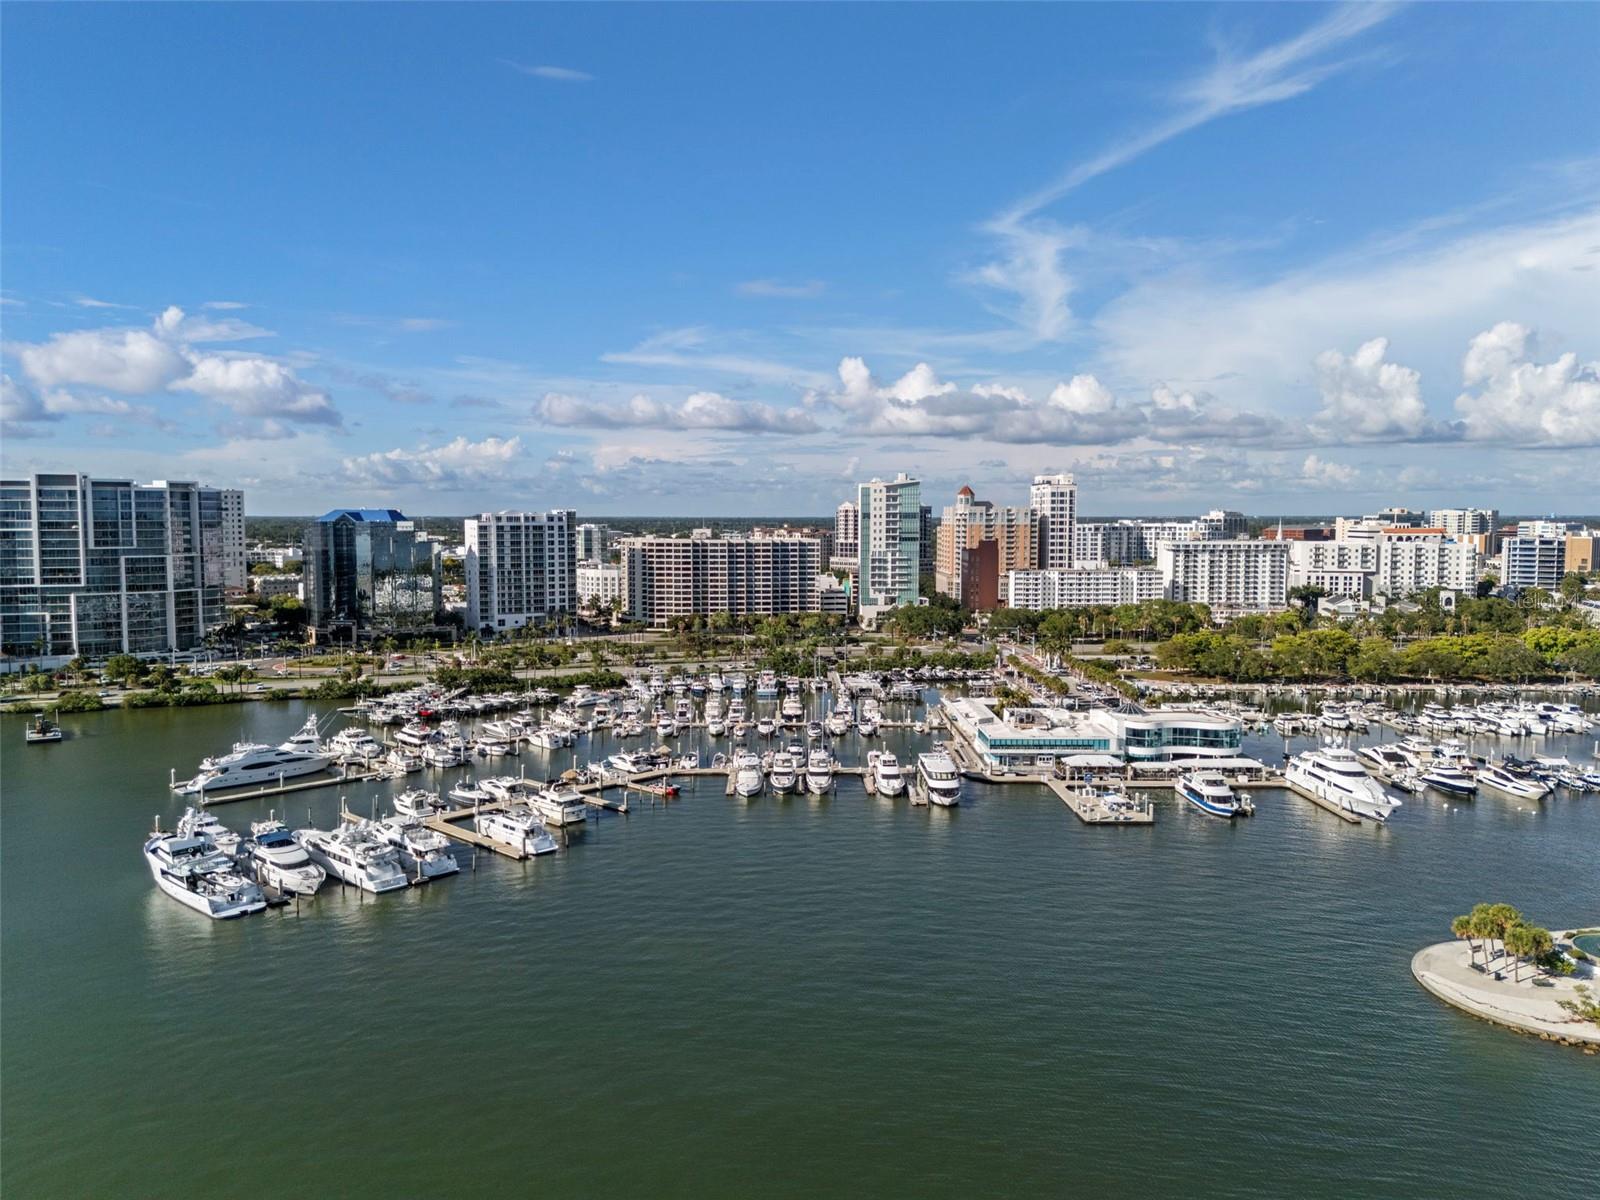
{"x":1331,"y":474}
{"x":1525,"y":402}
{"x":162,"y":359}
{"x":1364,"y":396}
{"x":700,"y":410}
{"x":453,"y":466}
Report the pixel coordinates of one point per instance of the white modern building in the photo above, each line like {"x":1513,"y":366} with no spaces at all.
{"x":664,"y":578}
{"x":1083,"y":587}
{"x":519,"y":568}
{"x":889,"y":557}
{"x":1230,"y":576}
{"x":1125,"y":542}
{"x":833,"y":597}
{"x":268,"y":586}
{"x":1054,"y":501}
{"x":235,"y":569}
{"x":94,"y":567}
{"x":1384,"y":561}
{"x":1460,"y":523}
{"x":847,"y":530}
{"x":1034,"y":740}
{"x":599,"y":583}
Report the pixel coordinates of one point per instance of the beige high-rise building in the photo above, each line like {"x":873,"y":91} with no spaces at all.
{"x":967,"y":570}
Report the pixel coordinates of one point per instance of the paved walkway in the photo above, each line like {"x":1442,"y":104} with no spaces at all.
{"x":1446,"y":971}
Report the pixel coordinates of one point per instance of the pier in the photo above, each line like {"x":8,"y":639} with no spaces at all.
{"x":212,"y":799}
{"x":1093,"y":809}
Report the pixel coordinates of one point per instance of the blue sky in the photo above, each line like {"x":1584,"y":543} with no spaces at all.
{"x":730,"y":259}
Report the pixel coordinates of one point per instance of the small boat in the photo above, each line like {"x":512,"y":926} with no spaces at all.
{"x":819,"y":772}
{"x":41,"y":730}
{"x":766,"y":727}
{"x":1209,"y":792}
{"x":814,"y":731}
{"x":887,"y":777}
{"x":747,"y":779}
{"x":784,"y":774}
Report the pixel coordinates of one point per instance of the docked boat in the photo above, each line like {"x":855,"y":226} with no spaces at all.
{"x":443,"y":754}
{"x":280,"y":861}
{"x":1333,"y":775}
{"x":194,"y":872}
{"x":560,"y":805}
{"x":252,"y":762}
{"x":814,"y":731}
{"x":819,"y":772}
{"x":1448,"y":778}
{"x":401,"y":761}
{"x":1209,"y":792}
{"x":887,"y":777}
{"x":1384,"y":761}
{"x":519,"y":827}
{"x":197,"y":822}
{"x":766,"y":727}
{"x":1522,"y":787}
{"x":792,"y":712}
{"x":356,"y":856}
{"x":424,"y":853}
{"x":747,"y":779}
{"x":41,"y":731}
{"x":938,"y":779}
{"x":784,"y":774}
{"x":355,"y":743}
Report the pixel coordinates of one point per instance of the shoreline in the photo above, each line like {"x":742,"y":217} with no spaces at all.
{"x":1444,"y":971}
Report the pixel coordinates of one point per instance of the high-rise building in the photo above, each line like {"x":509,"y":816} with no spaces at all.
{"x":94,"y":567}
{"x":1224,"y":523}
{"x":1459,"y":523}
{"x":847,"y":532}
{"x":1082,"y":587}
{"x":668,"y":577}
{"x":599,"y":583}
{"x":927,"y":536}
{"x":520,"y":568}
{"x":976,"y":544}
{"x":370,"y":569}
{"x":1532,"y":561}
{"x":1054,"y":501}
{"x":1581,"y":556}
{"x":890,"y":555}
{"x":234,"y":571}
{"x":589,"y":542}
{"x":1231,"y":576}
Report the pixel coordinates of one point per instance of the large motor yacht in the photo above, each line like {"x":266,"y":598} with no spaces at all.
{"x":819,"y":772}
{"x":354,"y":855}
{"x":195,"y":873}
{"x":747,"y":779}
{"x":1209,"y":792}
{"x":519,"y":827}
{"x":251,"y":762}
{"x":1522,"y":787}
{"x":560,"y":805}
{"x":424,"y":853}
{"x":1334,"y":775}
{"x":938,"y":778}
{"x":280,"y":861}
{"x":784,"y":775}
{"x":887,"y":777}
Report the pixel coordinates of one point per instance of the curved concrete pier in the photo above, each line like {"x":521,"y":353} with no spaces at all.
{"x":1446,"y":971}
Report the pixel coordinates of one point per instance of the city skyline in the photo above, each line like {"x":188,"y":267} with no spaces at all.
{"x":1275,"y":260}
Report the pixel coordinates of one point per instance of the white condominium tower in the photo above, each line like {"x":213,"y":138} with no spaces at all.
{"x":591,"y":542}
{"x":1233,"y":576}
{"x":890,"y":554}
{"x":847,"y":531}
{"x":1054,"y":501}
{"x":234,"y":571}
{"x":667,"y":577}
{"x":520,"y":568}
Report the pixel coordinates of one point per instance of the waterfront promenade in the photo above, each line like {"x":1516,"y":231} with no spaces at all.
{"x":1446,"y":971}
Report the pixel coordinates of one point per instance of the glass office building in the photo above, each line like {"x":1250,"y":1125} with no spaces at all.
{"x":370,"y":569}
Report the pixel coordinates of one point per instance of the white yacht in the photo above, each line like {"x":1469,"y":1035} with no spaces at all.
{"x":197,"y":822}
{"x":1333,"y":774}
{"x":887,"y":778}
{"x":1209,"y":792}
{"x":194,"y":872}
{"x":784,"y":775}
{"x":401,"y":761}
{"x":560,"y":805}
{"x":938,"y":778}
{"x":867,"y":725}
{"x":766,"y":727}
{"x":424,"y":853}
{"x":1520,"y":786}
{"x":355,"y":856}
{"x":252,"y":762}
{"x":443,"y":754}
{"x":1385,"y":761}
{"x":464,"y":793}
{"x":792,"y":711}
{"x":838,"y":722}
{"x":355,"y":743}
{"x":519,"y":827}
{"x":281,"y":861}
{"x":40,"y":730}
{"x":747,"y":780}
{"x":819,"y":772}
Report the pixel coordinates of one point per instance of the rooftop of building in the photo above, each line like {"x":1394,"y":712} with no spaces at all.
{"x":362,"y":514}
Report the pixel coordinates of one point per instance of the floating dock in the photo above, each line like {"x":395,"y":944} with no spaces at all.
{"x":1326,"y":805}
{"x":211,"y":799}
{"x":1092,"y":809}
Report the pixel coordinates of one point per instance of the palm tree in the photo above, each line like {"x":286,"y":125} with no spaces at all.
{"x":1462,"y":927}
{"x":1499,"y":919}
{"x":1519,"y":942}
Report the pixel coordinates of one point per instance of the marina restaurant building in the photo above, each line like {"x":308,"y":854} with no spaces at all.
{"x":1030,"y":740}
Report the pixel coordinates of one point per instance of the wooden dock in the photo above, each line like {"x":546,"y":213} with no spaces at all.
{"x":211,"y":799}
{"x":1091,"y":809}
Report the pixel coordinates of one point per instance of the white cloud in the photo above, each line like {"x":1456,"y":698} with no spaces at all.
{"x":456,"y":465}
{"x":778,"y":289}
{"x":700,"y":410}
{"x":558,"y":74}
{"x":133,"y":361}
{"x":1364,"y":396}
{"x":258,"y":387}
{"x":1316,"y":470}
{"x":224,"y":305}
{"x":1525,"y":402}
{"x":691,"y":348}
